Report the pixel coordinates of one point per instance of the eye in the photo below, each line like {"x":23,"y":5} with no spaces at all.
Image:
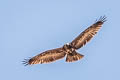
{"x":70,"y":46}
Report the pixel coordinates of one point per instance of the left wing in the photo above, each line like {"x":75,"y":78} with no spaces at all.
{"x":87,"y":35}
{"x":46,"y":57}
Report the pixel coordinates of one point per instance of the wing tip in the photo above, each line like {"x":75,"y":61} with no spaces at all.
{"x":25,"y":62}
{"x":102,"y":19}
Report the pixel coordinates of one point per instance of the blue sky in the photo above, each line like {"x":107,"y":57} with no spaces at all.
{"x":28,"y":27}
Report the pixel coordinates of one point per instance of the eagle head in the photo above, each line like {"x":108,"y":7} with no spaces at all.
{"x":67,"y":46}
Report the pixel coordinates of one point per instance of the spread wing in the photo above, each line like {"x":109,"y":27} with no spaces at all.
{"x":46,"y":57}
{"x":86,"y":35}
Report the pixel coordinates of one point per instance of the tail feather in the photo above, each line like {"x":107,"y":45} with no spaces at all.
{"x":74,"y":57}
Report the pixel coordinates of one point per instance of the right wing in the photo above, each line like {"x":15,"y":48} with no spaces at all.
{"x":88,"y":34}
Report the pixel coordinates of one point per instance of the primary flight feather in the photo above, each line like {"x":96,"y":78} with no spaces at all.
{"x":69,"y":49}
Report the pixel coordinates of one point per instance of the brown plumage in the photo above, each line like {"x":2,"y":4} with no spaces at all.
{"x":68,"y":49}
{"x":48,"y":56}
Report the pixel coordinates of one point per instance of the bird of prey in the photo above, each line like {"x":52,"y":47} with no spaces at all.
{"x":69,"y":49}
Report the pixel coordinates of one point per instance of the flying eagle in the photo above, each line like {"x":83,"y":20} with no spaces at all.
{"x":69,"y":49}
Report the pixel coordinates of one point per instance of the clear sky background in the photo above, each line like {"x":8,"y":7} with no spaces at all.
{"x":28,"y":27}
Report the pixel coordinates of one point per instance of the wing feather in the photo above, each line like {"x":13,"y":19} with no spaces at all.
{"x":88,"y":34}
{"x":46,"y":57}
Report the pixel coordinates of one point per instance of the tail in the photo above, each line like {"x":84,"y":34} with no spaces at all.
{"x":74,"y":57}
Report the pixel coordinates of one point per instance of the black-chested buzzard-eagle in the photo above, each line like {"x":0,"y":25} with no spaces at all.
{"x":69,"y":49}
